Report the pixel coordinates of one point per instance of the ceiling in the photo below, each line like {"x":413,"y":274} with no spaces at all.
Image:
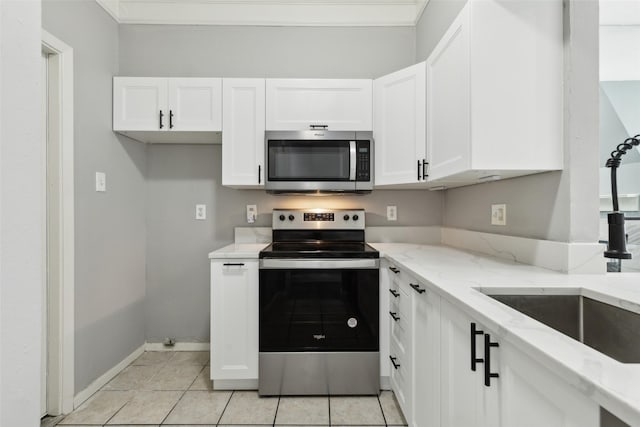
{"x":267,"y":12}
{"x":619,"y":12}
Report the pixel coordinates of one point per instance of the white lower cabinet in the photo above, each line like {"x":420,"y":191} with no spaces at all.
{"x":234,"y":321}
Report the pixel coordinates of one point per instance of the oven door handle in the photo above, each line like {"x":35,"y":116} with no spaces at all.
{"x":352,"y":160}
{"x":311,"y":263}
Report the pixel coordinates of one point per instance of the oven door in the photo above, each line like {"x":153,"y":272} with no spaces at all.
{"x":318,"y":309}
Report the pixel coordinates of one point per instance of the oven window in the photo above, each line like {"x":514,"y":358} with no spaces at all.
{"x":308,"y":160}
{"x":319,"y":310}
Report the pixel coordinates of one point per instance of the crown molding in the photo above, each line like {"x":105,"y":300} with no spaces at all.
{"x":266,"y":12}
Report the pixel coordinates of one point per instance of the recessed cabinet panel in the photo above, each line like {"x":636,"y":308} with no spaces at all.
{"x":399,"y":126}
{"x":243,"y":132}
{"x":301,"y":104}
{"x":140,"y":103}
{"x":195,"y":104}
{"x":448,"y":105}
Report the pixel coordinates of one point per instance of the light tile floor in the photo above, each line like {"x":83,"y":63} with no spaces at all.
{"x":173,"y":389}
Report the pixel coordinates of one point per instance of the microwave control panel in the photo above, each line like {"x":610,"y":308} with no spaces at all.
{"x":363,"y":161}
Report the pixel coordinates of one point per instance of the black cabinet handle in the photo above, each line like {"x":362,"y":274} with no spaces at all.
{"x":230,"y":264}
{"x":474,"y":359}
{"x":487,"y":360}
{"x":419,"y":170}
{"x":424,"y":169}
{"x":315,"y":127}
{"x":417,"y":288}
{"x":259,"y":173}
{"x":395,"y":270}
{"x":393,"y":362}
{"x":394,"y":315}
{"x":170,"y":119}
{"x":395,"y":293}
{"x":161,"y":116}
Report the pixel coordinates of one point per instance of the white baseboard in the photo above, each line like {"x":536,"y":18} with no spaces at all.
{"x":179,"y":346}
{"x":245,"y":384}
{"x":103,"y":379}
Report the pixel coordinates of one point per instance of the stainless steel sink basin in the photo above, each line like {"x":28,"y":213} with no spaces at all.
{"x":608,"y":329}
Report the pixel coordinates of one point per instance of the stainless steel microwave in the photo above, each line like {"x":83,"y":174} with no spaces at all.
{"x":318,"y":161}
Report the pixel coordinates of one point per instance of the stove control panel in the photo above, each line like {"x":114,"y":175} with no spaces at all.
{"x":326,"y":219}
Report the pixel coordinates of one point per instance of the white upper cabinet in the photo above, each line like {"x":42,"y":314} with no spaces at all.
{"x":332,"y":104}
{"x":243,"y":103}
{"x":195,"y":104}
{"x":399,"y":127}
{"x":168,"y":110}
{"x":494,"y":93}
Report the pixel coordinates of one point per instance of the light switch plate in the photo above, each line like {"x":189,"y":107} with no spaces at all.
{"x":252,"y":213}
{"x":498,"y":214}
{"x":201,"y":212}
{"x":101,"y":182}
{"x":392,"y":213}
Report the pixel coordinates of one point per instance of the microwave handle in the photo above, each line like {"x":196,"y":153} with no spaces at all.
{"x":352,"y":160}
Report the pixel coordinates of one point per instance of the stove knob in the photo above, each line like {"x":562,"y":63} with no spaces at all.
{"x":346,"y":217}
{"x":355,"y":217}
{"x":281,"y":217}
{"x":291,"y":217}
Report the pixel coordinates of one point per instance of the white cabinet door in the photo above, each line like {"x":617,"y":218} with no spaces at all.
{"x":459,"y":385}
{"x":426,"y":360}
{"x":243,"y":132}
{"x":448,"y":101}
{"x":234,"y":319}
{"x":195,"y":104}
{"x":399,"y":126}
{"x":338,"y":104}
{"x":140,"y":104}
{"x":531,"y":396}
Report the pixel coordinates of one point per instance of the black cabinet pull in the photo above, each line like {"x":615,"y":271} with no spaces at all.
{"x":424,"y":169}
{"x":395,"y":270}
{"x":419,"y":170}
{"x":487,"y":360}
{"x":259,"y":173}
{"x":316,"y":127}
{"x":161,"y":116}
{"x":230,"y":264}
{"x":393,"y":362}
{"x":417,"y":288}
{"x":474,"y":359}
{"x":394,"y":315}
{"x":395,"y":293}
{"x":170,"y":119}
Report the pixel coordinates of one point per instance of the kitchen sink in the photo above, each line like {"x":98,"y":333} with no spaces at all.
{"x":606,"y":328}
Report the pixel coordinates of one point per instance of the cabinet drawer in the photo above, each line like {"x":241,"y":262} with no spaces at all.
{"x":401,"y":377}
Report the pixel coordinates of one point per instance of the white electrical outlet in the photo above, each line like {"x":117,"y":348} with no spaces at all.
{"x":101,"y":181}
{"x":252,"y":213}
{"x":201,"y":211}
{"x":392,"y":213}
{"x":498,"y":214}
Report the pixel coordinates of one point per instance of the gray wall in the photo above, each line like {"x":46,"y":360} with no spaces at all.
{"x":22,"y":213}
{"x":560,"y":206}
{"x":177,"y":303}
{"x":110,"y":227}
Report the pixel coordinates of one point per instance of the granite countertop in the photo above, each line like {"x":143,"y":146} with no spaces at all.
{"x":238,"y":250}
{"x":459,"y":276}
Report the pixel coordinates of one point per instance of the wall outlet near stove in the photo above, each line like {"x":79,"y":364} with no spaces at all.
{"x":392,"y":213}
{"x":252,"y":213}
{"x":498,"y":214}
{"x":201,"y":212}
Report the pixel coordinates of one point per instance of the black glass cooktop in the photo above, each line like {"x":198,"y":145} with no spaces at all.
{"x":319,"y":249}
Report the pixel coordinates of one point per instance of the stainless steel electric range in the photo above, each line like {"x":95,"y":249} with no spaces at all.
{"x":319,"y":306}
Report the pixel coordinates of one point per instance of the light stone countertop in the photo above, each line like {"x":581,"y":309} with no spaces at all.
{"x":457,"y":276}
{"x":238,"y":250}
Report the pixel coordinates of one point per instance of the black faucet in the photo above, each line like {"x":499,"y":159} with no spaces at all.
{"x":617,"y":244}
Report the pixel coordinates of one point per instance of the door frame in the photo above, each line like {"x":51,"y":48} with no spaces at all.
{"x":60,"y":310}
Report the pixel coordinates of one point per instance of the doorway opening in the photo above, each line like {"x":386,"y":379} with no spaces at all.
{"x":57,"y":370}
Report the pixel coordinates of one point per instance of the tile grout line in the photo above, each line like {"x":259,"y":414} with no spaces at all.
{"x":384,"y":418}
{"x":225,"y":406}
{"x":329,"y":401}
{"x":275,"y":417}
{"x":183,"y":393}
